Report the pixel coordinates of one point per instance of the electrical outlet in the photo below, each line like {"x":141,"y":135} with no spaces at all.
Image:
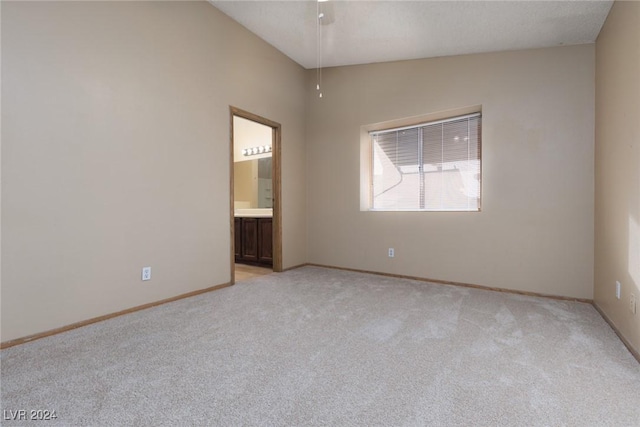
{"x":392,"y":253}
{"x":617,"y":289}
{"x":632,"y":303}
{"x":146,"y":273}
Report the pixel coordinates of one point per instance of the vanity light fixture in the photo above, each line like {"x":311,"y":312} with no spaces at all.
{"x":261,"y":149}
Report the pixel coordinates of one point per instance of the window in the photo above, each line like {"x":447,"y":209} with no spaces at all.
{"x":428,"y":167}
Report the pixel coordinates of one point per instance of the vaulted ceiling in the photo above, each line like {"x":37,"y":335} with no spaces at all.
{"x":361,"y":32}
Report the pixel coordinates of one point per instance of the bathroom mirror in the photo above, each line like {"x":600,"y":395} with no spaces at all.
{"x":253,"y":186}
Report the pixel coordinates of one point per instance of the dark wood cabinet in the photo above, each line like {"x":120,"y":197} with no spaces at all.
{"x":253,"y":240}
{"x":249,"y":250}
{"x":237,"y":241}
{"x":265,"y":241}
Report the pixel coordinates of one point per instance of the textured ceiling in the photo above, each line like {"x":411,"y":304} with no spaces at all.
{"x":362,"y":32}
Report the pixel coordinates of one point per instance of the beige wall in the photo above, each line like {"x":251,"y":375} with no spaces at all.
{"x":617,"y":159}
{"x":535,"y":231}
{"x":115,"y":153}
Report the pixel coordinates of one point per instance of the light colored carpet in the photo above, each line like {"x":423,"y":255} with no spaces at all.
{"x":317,"y":346}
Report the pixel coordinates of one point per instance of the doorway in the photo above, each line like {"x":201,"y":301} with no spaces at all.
{"x":255,"y":214}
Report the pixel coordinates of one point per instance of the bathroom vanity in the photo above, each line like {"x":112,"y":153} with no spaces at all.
{"x":253,"y":236}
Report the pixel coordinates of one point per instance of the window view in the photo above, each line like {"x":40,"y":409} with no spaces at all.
{"x":432,"y":166}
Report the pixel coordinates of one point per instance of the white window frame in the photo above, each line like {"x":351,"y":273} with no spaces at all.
{"x":422,"y":194}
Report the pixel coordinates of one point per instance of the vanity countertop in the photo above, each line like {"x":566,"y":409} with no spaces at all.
{"x":253,"y":213}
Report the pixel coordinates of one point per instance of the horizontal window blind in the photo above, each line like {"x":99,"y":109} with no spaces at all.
{"x":431,"y":166}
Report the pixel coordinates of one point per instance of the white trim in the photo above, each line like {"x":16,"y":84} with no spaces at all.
{"x":436,"y":122}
